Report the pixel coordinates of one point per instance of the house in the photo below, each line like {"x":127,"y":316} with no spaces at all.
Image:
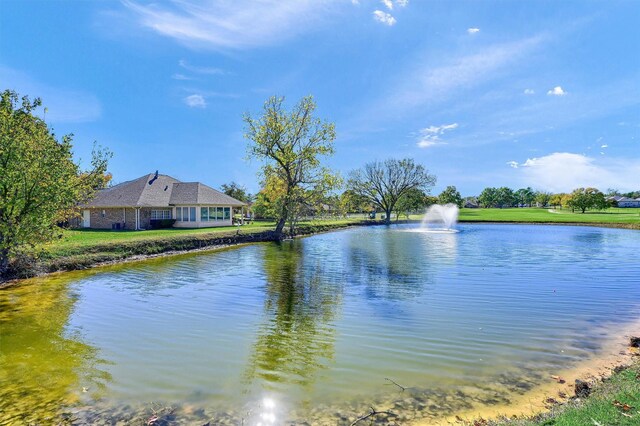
{"x":628,"y":202}
{"x":154,"y":199}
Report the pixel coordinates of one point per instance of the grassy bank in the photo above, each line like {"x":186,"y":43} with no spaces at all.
{"x":613,"y":401}
{"x":613,"y":216}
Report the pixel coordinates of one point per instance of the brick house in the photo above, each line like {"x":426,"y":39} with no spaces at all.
{"x":138,"y":203}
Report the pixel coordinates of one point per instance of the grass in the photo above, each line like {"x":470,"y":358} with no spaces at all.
{"x":609,"y":216}
{"x":615,"y":401}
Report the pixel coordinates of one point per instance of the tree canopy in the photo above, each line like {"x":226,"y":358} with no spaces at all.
{"x":40,"y":184}
{"x":384,"y":183}
{"x":291,"y":145}
{"x":237,"y":191}
{"x":450,"y":196}
{"x":587,"y":198}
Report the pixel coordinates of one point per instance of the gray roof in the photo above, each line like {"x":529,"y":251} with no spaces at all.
{"x":160,"y":192}
{"x":198,"y":193}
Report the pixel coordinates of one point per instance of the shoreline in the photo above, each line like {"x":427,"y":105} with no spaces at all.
{"x":616,"y":353}
{"x":215,"y":241}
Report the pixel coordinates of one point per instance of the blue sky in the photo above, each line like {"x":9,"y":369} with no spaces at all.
{"x":483,"y":93}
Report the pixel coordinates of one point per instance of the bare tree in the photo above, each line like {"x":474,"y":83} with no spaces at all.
{"x":384,"y":183}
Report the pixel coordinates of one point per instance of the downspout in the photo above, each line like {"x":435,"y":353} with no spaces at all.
{"x":137,"y":218}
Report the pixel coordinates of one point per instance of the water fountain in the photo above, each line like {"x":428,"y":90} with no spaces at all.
{"x":440,"y":218}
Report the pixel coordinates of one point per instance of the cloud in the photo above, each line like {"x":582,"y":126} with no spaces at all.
{"x":604,"y":146}
{"x":64,"y":105}
{"x":564,"y":171}
{"x":473,"y":30}
{"x":195,"y":101}
{"x":556,"y":91}
{"x":423,"y":83}
{"x":430,"y":136}
{"x":238,"y":24}
{"x":529,"y":92}
{"x":402,"y":3}
{"x":513,"y":164}
{"x":388,"y":4}
{"x":180,"y":77}
{"x":200,"y":70}
{"x":384,"y":18}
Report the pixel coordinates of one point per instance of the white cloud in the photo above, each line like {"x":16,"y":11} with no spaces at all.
{"x":402,"y":3}
{"x":388,"y":4}
{"x":557,"y":91}
{"x":238,"y":24}
{"x":384,"y":18}
{"x":422,"y":83}
{"x":195,"y":101}
{"x":564,"y":171}
{"x":179,"y":76}
{"x":200,"y":70}
{"x":513,"y":164}
{"x":473,"y":30}
{"x":430,"y":136}
{"x":529,"y":91}
{"x":604,"y":146}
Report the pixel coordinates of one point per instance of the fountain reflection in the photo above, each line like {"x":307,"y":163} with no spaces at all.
{"x":297,"y":336}
{"x":44,"y":366}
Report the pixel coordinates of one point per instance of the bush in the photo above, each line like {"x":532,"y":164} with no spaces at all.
{"x":162,"y":223}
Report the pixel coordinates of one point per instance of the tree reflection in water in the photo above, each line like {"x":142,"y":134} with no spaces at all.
{"x":44,"y":366}
{"x":297,"y":336}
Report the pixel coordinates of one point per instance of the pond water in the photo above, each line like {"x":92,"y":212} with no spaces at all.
{"x":312,"y":329}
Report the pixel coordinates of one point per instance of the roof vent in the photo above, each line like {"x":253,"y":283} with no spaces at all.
{"x":166,"y":187}
{"x":153,"y":178}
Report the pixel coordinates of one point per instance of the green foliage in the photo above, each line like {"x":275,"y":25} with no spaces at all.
{"x":291,"y":144}
{"x":411,"y":201}
{"x":384,"y":183}
{"x":351,"y":202}
{"x":587,"y":198}
{"x":525,"y":197}
{"x":450,"y":196}
{"x":40,"y":185}
{"x":237,"y":191}
{"x":497,"y":197}
{"x":542,"y":199}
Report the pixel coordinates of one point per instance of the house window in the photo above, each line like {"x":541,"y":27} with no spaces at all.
{"x":179,"y":214}
{"x":192,"y":214}
{"x":227,"y":213}
{"x":219,"y":213}
{"x":204,"y":214}
{"x":160,"y":214}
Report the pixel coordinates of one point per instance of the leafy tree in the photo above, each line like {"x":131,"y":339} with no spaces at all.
{"x":488,"y":197}
{"x":430,"y":200}
{"x":505,"y":197}
{"x":384,"y":183}
{"x":40,"y":184}
{"x":587,"y":198}
{"x":542,"y":199}
{"x":412,"y":200}
{"x":350,"y":202}
{"x":237,"y":191}
{"x":555,"y":200}
{"x":290,"y":144}
{"x":525,"y":196}
{"x":450,"y":196}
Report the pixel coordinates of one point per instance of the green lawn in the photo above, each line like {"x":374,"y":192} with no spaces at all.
{"x":613,"y":215}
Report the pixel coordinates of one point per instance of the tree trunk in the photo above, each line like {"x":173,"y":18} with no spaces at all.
{"x":4,"y":263}
{"x":280,"y":226}
{"x":387,"y":219}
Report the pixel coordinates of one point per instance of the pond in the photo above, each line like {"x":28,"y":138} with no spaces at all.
{"x":317,"y":329}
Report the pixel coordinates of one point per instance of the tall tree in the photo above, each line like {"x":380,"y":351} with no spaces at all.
{"x":587,"y":198}
{"x":488,"y":197}
{"x":525,"y":196}
{"x":413,"y":200}
{"x":384,"y":183}
{"x":236,"y":191}
{"x":40,"y":184}
{"x":543,"y":198}
{"x":291,"y":144}
{"x":450,"y":196}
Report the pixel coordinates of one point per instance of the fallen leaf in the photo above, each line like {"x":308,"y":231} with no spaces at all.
{"x":625,"y":407}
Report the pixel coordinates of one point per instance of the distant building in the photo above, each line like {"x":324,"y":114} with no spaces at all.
{"x":628,"y":202}
{"x":144,"y":202}
{"x":470,"y":204}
